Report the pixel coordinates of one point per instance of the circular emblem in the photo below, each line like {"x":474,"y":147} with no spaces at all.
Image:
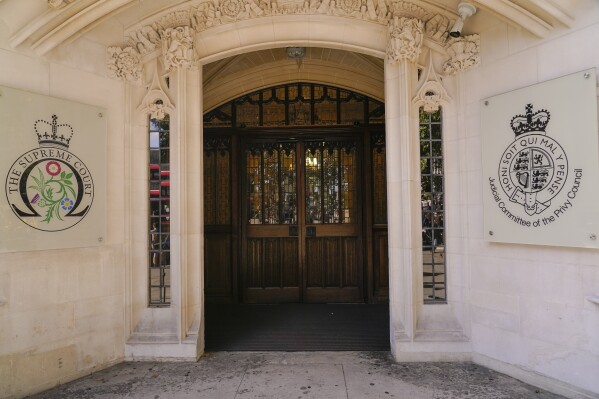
{"x":532,"y":170}
{"x":50,"y":188}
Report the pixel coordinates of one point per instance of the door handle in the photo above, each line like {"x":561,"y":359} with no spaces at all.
{"x":293,"y":231}
{"x":311,"y":231}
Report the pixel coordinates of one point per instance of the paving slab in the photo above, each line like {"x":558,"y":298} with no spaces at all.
{"x":296,"y":375}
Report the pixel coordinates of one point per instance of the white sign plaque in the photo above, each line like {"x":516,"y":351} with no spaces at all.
{"x":52,"y":168}
{"x":541,"y":163}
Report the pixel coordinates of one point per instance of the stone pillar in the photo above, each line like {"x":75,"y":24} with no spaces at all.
{"x":172,"y":332}
{"x":186,"y":187}
{"x":403,"y":155}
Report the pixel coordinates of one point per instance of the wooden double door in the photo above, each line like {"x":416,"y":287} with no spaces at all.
{"x":295,"y":216}
{"x":302,"y":220}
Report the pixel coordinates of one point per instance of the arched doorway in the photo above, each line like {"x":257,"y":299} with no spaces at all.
{"x":295,"y":202}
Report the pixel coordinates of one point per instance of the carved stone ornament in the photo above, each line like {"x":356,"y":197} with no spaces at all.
{"x":156,"y":102}
{"x":56,"y":4}
{"x":431,"y":93}
{"x":177,"y":47}
{"x":123,"y":63}
{"x":157,"y":110}
{"x":405,"y":39}
{"x":208,"y":14}
{"x":464,"y":53}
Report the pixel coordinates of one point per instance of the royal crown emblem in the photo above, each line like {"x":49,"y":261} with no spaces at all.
{"x":51,"y":134}
{"x":537,"y":122}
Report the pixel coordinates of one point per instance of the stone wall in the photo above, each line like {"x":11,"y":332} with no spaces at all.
{"x":62,"y":311}
{"x":527,"y":303}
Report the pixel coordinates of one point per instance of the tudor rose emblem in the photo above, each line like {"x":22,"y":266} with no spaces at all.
{"x":534,"y":167}
{"x":49,"y":188}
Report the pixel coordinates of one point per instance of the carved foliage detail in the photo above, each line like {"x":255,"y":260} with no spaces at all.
{"x":56,"y":4}
{"x":123,"y":63}
{"x":405,"y":39}
{"x":464,"y":53}
{"x":213,"y":13}
{"x":177,"y":47}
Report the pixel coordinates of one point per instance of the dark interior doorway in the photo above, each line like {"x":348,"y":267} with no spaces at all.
{"x":296,"y":221}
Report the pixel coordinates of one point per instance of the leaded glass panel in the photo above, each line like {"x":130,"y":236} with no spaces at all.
{"x":379,"y":178}
{"x":248,"y":110}
{"x":159,"y":214}
{"x":433,"y":207}
{"x":271,"y":184}
{"x":331,"y":182}
{"x":297,"y":104}
{"x":217,"y":191}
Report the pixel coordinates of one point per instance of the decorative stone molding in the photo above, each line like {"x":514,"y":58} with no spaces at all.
{"x":431,"y":93}
{"x":208,"y":14}
{"x":177,"y":47}
{"x":123,"y":63}
{"x":156,"y":102}
{"x":464,"y":52}
{"x":157,"y":110}
{"x":405,"y":39}
{"x":56,"y":4}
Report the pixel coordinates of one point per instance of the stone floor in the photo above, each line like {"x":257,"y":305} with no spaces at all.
{"x":296,"y":375}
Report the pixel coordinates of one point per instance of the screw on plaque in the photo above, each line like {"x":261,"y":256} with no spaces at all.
{"x":593,"y":236}
{"x":587,"y":75}
{"x":100,"y":239}
{"x":490,"y":232}
{"x":100,"y":114}
{"x":486,"y":102}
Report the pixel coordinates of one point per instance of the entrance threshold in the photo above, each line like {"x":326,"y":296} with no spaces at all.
{"x":297,"y":327}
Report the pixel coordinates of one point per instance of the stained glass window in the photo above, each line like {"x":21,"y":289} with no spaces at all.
{"x":217,"y":191}
{"x":331,"y":182}
{"x":297,"y":104}
{"x":271,"y":184}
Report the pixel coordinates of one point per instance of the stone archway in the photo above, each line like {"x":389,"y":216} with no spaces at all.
{"x":177,"y":43}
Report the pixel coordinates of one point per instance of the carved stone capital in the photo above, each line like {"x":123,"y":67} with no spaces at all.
{"x":405,"y":39}
{"x":177,"y":47}
{"x":123,"y":63}
{"x":464,"y":52}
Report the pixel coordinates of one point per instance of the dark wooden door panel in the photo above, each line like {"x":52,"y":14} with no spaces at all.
{"x":217,"y":265}
{"x":272,"y":270}
{"x":381,"y":265}
{"x":333,"y":272}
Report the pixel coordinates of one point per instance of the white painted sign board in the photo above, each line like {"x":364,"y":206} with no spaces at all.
{"x":53,"y":172}
{"x":540,"y":152}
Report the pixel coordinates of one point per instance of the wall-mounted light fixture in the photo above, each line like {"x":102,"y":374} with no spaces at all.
{"x":297,"y":54}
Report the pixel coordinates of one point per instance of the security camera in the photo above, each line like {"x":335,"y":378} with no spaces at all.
{"x":465,"y":10}
{"x":456,"y":31}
